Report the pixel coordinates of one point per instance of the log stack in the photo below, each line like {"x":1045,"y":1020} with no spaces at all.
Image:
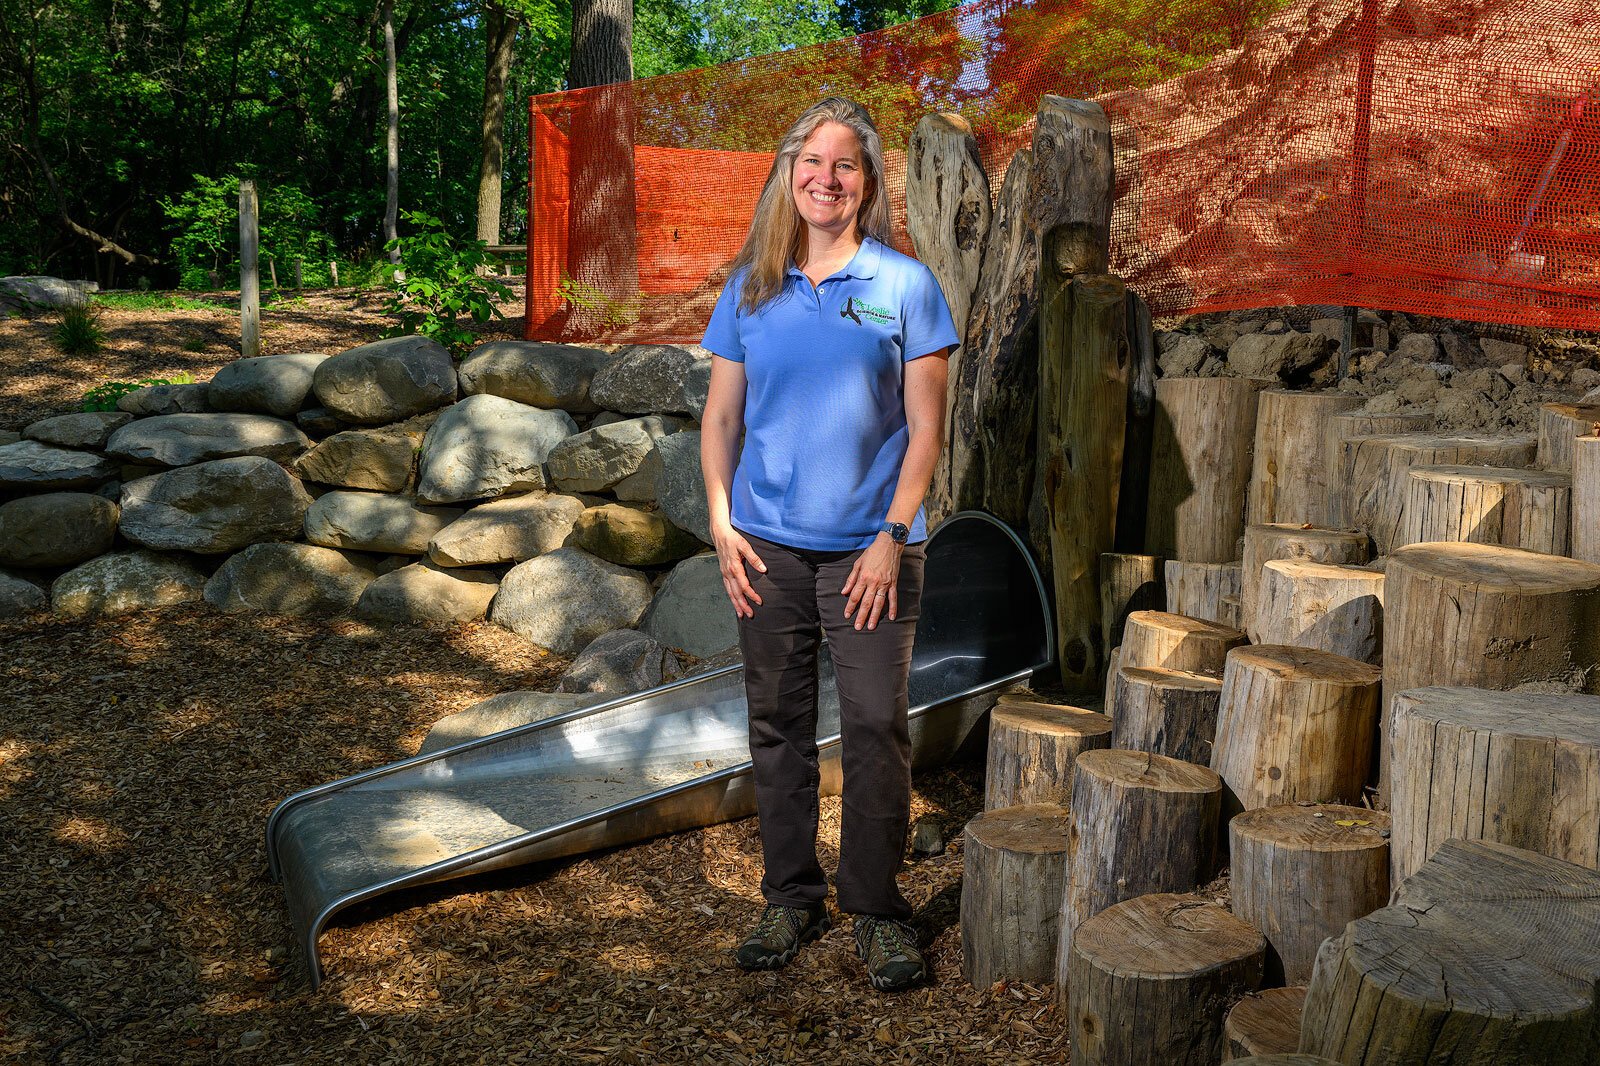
{"x":1165,"y":712}
{"x":1202,"y":590}
{"x":1342,"y":428}
{"x":1171,"y":642}
{"x":1012,"y":876}
{"x":1559,"y":425}
{"x":1033,"y":749}
{"x":1264,"y":543}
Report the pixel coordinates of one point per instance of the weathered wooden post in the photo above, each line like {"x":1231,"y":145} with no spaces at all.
{"x":249,"y":271}
{"x":1585,"y":539}
{"x":1014,"y":870}
{"x":299,"y":273}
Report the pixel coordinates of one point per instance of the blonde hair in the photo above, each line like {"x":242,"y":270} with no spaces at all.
{"x":777,"y":233}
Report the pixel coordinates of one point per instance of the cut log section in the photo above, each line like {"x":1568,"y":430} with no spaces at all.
{"x":1336,"y":609}
{"x":1518,"y":768}
{"x":1165,"y":712}
{"x":1301,"y":873}
{"x":1128,"y":583}
{"x":1264,"y":543}
{"x":1012,"y":874}
{"x":1289,"y":471}
{"x":1197,"y":590}
{"x":1174,"y":642}
{"x":1140,"y":823}
{"x":1340,"y":428}
{"x":1486,"y":505}
{"x":1033,"y":748}
{"x":1488,"y":955}
{"x":1294,"y":724}
{"x":1559,"y":425}
{"x":1153,"y":978}
{"x":1585,"y":540}
{"x":1265,"y":1023}
{"x":1200,"y":467}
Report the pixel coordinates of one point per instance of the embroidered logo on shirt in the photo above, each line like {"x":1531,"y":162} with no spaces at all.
{"x":853,"y":310}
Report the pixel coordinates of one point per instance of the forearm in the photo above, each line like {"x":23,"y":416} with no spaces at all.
{"x":719,"y":455}
{"x":916,"y":472}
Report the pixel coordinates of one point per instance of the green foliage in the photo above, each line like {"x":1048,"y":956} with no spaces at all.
{"x":438,"y":284}
{"x":613,"y":313}
{"x":104,"y":397}
{"x":131,"y":300}
{"x":207,"y":244}
{"x":79,"y":331}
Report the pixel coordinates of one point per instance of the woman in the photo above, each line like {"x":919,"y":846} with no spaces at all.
{"x":830,"y":357}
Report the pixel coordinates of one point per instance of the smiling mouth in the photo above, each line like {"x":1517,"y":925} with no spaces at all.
{"x":823,"y":198}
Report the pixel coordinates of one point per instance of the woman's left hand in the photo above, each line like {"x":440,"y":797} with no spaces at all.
{"x":870,"y":589}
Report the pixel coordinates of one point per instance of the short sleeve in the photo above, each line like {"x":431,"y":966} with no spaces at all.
{"x":722,"y":332}
{"x":929,"y":327}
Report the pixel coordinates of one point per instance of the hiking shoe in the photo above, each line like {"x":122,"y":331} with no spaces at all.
{"x":780,"y":934}
{"x":889,"y":948}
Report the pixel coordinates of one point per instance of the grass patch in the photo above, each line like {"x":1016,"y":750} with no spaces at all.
{"x":164,"y":301}
{"x":79,"y":331}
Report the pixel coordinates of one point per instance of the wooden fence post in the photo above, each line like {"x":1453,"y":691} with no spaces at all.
{"x":249,"y":272}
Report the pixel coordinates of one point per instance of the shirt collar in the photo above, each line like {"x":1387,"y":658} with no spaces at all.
{"x":863,"y":265}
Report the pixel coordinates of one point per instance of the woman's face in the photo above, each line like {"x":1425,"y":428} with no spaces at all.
{"x":830,"y":179}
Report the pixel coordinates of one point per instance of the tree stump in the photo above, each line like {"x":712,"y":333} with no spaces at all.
{"x":1265,"y":1023}
{"x":1196,"y":590}
{"x":1289,"y":470}
{"x":1174,"y":642}
{"x":1012,"y":874}
{"x":1262,"y":544}
{"x":1489,"y":955}
{"x":1518,"y":768}
{"x":1165,"y":712}
{"x":1140,"y":823}
{"x":1294,"y":724}
{"x":1345,"y":427}
{"x":1302,"y":872}
{"x":1559,"y":425}
{"x":1485,"y":505}
{"x":1585,"y":539}
{"x":1336,"y":609}
{"x":1128,"y":583}
{"x":1200,"y":467}
{"x":1033,"y":748}
{"x":1153,"y":978}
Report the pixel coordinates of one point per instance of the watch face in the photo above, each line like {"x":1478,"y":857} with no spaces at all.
{"x":898,"y":531}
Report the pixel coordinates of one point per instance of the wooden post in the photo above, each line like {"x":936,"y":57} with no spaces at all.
{"x":1174,"y":642}
{"x":1263,"y":543}
{"x":1133,"y":498}
{"x":272,"y":271}
{"x":333,"y":272}
{"x":1488,"y":505}
{"x":1559,"y":425}
{"x":1167,"y":712}
{"x":1128,"y":583}
{"x":1337,"y":609}
{"x":1289,"y":467}
{"x":1033,"y":748}
{"x":1585,"y":540}
{"x":1013,"y":872}
{"x":1200,"y":467}
{"x":249,"y":271}
{"x":1266,"y":1022}
{"x":299,"y":273}
{"x":1197,"y":590}
{"x":1347,"y":426}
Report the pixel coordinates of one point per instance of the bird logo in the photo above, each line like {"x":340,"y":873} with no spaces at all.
{"x":849,"y":311}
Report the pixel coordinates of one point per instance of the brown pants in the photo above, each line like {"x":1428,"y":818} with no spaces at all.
{"x":800,"y":599}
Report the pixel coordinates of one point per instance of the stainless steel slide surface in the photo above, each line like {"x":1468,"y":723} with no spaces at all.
{"x":672,"y":758}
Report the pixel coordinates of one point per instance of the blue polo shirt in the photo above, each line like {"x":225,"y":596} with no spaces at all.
{"x":824,"y":406}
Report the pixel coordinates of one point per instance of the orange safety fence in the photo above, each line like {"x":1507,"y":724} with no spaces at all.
{"x":1431,"y":156}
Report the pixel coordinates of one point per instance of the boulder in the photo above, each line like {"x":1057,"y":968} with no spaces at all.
{"x":1185,"y":355}
{"x":126,"y":581}
{"x":506,"y":531}
{"x":20,"y":597}
{"x":644,"y":484}
{"x":86,"y":429}
{"x":1420,"y":347}
{"x":271,"y":384}
{"x":380,"y":459}
{"x":630,"y":537}
{"x":540,"y":375}
{"x":509,"y":710}
{"x":186,"y":439}
{"x":317,"y":421}
{"x":1501,"y":352}
{"x":214,"y":507}
{"x":288,"y":579}
{"x":386,"y":381}
{"x":681,"y":486}
{"x":42,"y":293}
{"x":423,"y":592}
{"x":599,"y":458}
{"x":691,"y":611}
{"x":27,"y":464}
{"x":1283,"y":355}
{"x":697,"y":383}
{"x":56,"y":529}
{"x":620,"y":662}
{"x":564,"y":599}
{"x":187,"y":398}
{"x":375,"y":522}
{"x":9,"y":436}
{"x":648,"y":378}
{"x":488,"y":446}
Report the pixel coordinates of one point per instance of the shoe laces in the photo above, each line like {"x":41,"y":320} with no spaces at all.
{"x":771,"y":918}
{"x":891,"y":935}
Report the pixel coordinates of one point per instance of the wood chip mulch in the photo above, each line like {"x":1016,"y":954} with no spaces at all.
{"x":141,"y":755}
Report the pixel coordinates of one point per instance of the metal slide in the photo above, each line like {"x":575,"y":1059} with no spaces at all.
{"x":672,"y":758}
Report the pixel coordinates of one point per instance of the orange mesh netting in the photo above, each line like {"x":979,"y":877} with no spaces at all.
{"x":1432,"y":156}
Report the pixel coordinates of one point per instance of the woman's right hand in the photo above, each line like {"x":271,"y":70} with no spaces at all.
{"x":733,"y":551}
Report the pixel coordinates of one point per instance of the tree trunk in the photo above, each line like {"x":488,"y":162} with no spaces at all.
{"x":1033,"y":748}
{"x":1128,"y":583}
{"x":500,"y":34}
{"x":1289,"y":468}
{"x":1133,"y":498}
{"x":1559,"y":425}
{"x":1012,"y":876}
{"x":1336,"y":609}
{"x":1200,"y":467}
{"x":1197,"y":590}
{"x":1173,"y":642}
{"x":1166,"y":712}
{"x":1264,"y":543}
{"x":1518,"y":508}
{"x":391,"y":203}
{"x":1585,"y":540}
{"x":1265,"y":1023}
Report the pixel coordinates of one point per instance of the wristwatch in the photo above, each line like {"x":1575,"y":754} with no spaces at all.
{"x":898,"y":531}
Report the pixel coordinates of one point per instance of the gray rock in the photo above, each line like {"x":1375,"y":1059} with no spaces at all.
{"x":381,"y":459}
{"x":627,"y":536}
{"x":386,"y":381}
{"x":423,"y":592}
{"x":540,"y":375}
{"x":56,"y":529}
{"x":185,"y":439}
{"x":697,"y":384}
{"x":125,"y":581}
{"x":19,"y":597}
{"x":605,"y":418}
{"x":509,"y":710}
{"x":682,"y":486}
{"x":1422,"y":347}
{"x":375,"y":522}
{"x":488,"y":446}
{"x":214,"y":507}
{"x":691,"y":611}
{"x":271,"y":384}
{"x":27,"y":464}
{"x":620,"y":662}
{"x":42,"y":293}
{"x":506,"y":531}
{"x":9,"y":436}
{"x":644,"y":484}
{"x":1501,"y":352}
{"x":188,"y":398}
{"x":86,"y":429}
{"x":318,"y":421}
{"x":597,"y":459}
{"x":1282,"y":355}
{"x":288,"y":579}
{"x":566,"y":598}
{"x":1184,"y":356}
{"x":1584,"y":378}
{"x":647,"y":379}
{"x":730,"y":656}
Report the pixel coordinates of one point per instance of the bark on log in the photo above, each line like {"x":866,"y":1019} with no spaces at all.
{"x":1585,"y":541}
{"x":1336,"y":609}
{"x":1153,"y":979}
{"x":1518,"y":768}
{"x":1200,"y":467}
{"x":1033,"y":749}
{"x":1128,"y":583}
{"x":1559,"y":425}
{"x":1301,"y":872}
{"x":1165,"y":712}
{"x":1113,"y":664}
{"x":1488,"y":956}
{"x":1196,"y":590}
{"x":1265,"y":1023}
{"x":1232,"y":613}
{"x":1488,"y":505}
{"x":1294,"y":725}
{"x":1012,"y":874}
{"x":1176,"y":642}
{"x":1289,"y":469}
{"x":1140,"y":823}
{"x":1343,"y":427}
{"x":1263,"y":543}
